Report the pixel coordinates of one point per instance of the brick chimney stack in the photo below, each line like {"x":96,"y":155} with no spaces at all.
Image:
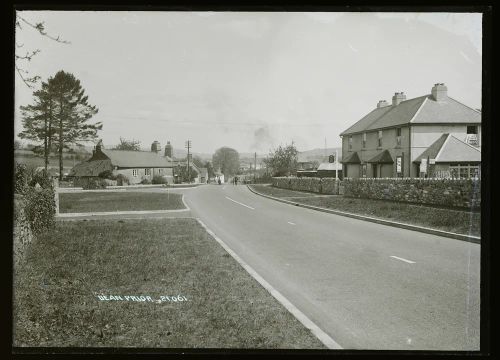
{"x":155,"y":147}
{"x":168,"y":150}
{"x":397,"y":98}
{"x":382,"y":103}
{"x":439,"y":92}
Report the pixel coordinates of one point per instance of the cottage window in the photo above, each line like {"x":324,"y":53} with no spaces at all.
{"x":464,"y":171}
{"x":135,"y":172}
{"x":472,"y":129}
{"x":350,"y":142}
{"x":147,"y":171}
{"x":380,"y":138}
{"x":364,"y":140}
{"x":398,"y":136}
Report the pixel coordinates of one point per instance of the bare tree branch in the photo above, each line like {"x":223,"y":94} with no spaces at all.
{"x":41,"y":29}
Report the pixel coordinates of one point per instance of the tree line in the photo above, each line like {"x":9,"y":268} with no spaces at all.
{"x":59,"y":117}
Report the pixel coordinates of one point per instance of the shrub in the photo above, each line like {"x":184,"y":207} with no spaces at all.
{"x":122,"y":180}
{"x":158,"y":179}
{"x":39,"y":209}
{"x":41,"y":178}
{"x":20,"y":178}
{"x":108,"y":174}
{"x":146,"y":181}
{"x":88,"y":183}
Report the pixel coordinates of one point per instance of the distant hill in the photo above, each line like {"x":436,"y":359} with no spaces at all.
{"x":319,"y":154}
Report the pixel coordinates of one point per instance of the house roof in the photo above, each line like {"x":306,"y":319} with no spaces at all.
{"x":420,"y":110}
{"x":352,"y":159}
{"x":384,"y":157}
{"x":91,"y":168}
{"x":329,"y":166}
{"x":136,"y":159}
{"x":449,"y":148}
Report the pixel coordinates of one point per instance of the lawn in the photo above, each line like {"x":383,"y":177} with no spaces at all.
{"x":76,"y":285}
{"x":461,"y":222}
{"x":118,"y":201}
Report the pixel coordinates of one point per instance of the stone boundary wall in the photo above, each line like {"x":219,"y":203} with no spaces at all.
{"x":456,"y":193}
{"x":461,"y":193}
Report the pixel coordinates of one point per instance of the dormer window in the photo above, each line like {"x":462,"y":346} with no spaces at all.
{"x":350,"y":142}
{"x":398,"y":136}
{"x":364,"y":140}
{"x":380,"y":138}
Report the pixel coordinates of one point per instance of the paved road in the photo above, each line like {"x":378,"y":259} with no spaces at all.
{"x":368,"y":286}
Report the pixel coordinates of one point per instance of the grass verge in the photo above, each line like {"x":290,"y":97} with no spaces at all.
{"x":457,"y":221}
{"x":56,"y":291}
{"x":118,"y":201}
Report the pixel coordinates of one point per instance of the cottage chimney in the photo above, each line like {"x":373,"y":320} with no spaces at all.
{"x":155,"y":147}
{"x":98,"y":147}
{"x":168,"y":150}
{"x":382,"y":103}
{"x":439,"y":92}
{"x":397,"y":98}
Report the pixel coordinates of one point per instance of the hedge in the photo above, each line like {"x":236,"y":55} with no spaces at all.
{"x":89,"y":183}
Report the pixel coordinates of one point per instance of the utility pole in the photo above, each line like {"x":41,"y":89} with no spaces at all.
{"x":188,"y":146}
{"x":254,"y":166}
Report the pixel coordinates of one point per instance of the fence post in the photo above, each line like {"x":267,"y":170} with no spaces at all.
{"x":55,"y":182}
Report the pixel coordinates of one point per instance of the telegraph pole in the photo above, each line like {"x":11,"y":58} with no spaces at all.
{"x":254,"y":166}
{"x":188,"y":146}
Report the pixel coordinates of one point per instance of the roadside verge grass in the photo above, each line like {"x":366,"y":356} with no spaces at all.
{"x":457,"y":221}
{"x":118,"y":201}
{"x":60,"y":291}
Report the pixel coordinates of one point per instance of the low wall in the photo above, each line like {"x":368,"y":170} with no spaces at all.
{"x":316,"y":185}
{"x":442,"y":192}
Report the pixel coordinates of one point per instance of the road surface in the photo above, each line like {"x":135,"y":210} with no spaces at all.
{"x":368,"y":286}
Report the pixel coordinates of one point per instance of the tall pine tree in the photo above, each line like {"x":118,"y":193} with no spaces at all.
{"x":60,"y":115}
{"x":38,"y":121}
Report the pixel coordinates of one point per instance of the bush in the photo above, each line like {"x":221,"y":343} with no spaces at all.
{"x":158,"y":179}
{"x":108,"y":174}
{"x":39,"y":209}
{"x":41,"y":178}
{"x":88,"y":183}
{"x":146,"y":181}
{"x":20,"y":178}
{"x":122,"y":180}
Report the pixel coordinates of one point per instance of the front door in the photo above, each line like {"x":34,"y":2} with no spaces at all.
{"x":375,"y":168}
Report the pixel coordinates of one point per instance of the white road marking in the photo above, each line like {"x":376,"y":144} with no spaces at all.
{"x":320,"y":334}
{"x":291,"y":223}
{"x":237,"y":202}
{"x":405,"y":260}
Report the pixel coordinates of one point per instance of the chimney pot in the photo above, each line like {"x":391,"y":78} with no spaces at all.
{"x":397,"y":98}
{"x":439,"y":92}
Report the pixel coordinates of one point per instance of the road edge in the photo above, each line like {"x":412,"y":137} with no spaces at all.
{"x":299,"y":315}
{"x":462,"y":237}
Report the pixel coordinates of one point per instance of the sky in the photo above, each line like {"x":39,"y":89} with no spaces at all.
{"x":250,"y":80}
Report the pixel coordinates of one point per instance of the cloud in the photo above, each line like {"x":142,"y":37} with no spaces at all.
{"x":263,"y":140}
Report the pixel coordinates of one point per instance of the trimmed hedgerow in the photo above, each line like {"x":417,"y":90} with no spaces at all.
{"x":158,"y":179}
{"x":88,"y":183}
{"x":39,"y":209}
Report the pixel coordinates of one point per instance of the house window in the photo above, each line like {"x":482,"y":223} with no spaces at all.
{"x":135,"y":172}
{"x":464,"y":171}
{"x":159,"y":171}
{"x":364,"y":140}
{"x":350,"y":142}
{"x":472,"y":129}
{"x":363,"y":170}
{"x":380,"y":138}
{"x":147,"y":171}
{"x":398,"y":136}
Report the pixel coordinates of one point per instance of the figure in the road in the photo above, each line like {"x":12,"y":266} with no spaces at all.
{"x":218,"y":180}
